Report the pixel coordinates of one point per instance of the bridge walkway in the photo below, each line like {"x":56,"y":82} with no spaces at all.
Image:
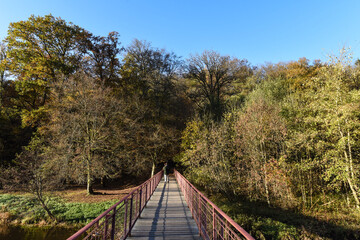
{"x":166,"y":216}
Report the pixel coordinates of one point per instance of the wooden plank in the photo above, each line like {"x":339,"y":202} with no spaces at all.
{"x":166,"y":216}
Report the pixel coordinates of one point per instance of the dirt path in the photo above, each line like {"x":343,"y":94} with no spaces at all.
{"x":78,"y":194}
{"x":101,"y":195}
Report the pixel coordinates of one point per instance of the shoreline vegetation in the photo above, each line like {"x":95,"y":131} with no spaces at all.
{"x":71,"y":208}
{"x":24,"y":210}
{"x":75,"y":209}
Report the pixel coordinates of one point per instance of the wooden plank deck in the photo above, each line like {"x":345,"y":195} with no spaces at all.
{"x":166,"y":216}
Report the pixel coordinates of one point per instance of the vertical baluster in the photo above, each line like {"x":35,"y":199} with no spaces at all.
{"x":125,"y":216}
{"x":147,"y":191}
{"x":131,"y":211}
{"x":190,"y":200}
{"x":214,"y":223}
{"x":150,"y":192}
{"x":106,"y":226}
{"x":205,"y":218}
{"x":221,"y":227}
{"x":199,"y":213}
{"x":136,"y":205}
{"x":140,"y":208}
{"x":113,"y":224}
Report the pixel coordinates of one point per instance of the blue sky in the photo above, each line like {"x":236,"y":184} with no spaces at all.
{"x":260,"y":31}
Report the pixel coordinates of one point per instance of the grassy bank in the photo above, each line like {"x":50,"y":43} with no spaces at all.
{"x":264,"y":222}
{"x":25,"y":209}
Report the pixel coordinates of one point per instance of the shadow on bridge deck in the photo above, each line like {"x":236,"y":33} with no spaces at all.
{"x":166,"y":216}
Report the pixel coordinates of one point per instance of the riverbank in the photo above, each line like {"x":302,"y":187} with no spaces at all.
{"x":22,"y":217}
{"x":72,"y":206}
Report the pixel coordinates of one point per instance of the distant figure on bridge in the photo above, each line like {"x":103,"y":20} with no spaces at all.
{"x":166,"y":172}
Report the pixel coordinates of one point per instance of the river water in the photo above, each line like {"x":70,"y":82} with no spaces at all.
{"x":11,"y":232}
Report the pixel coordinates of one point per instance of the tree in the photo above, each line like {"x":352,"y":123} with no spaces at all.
{"x":102,"y":57}
{"x":152,"y":73}
{"x":12,"y":135}
{"x":41,"y":49}
{"x":3,"y":70}
{"x":333,"y":109}
{"x":209,"y":154}
{"x":28,"y":174}
{"x":151,"y":76}
{"x":260,"y":142}
{"x":212,"y":74}
{"x":81,"y":130}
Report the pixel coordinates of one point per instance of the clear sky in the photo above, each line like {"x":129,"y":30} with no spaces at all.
{"x":260,"y":31}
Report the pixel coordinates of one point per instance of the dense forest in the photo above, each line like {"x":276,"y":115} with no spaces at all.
{"x":80,"y":108}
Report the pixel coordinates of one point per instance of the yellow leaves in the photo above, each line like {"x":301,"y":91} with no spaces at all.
{"x":38,"y":46}
{"x":32,"y":118}
{"x":191,"y":134}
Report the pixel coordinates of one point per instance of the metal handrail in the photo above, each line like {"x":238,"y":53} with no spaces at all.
{"x":118,"y":220}
{"x":212,"y":222}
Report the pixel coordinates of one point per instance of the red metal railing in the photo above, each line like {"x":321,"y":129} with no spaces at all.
{"x":211,"y":221}
{"x":118,"y":220}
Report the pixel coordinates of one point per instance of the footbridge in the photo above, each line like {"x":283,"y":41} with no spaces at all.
{"x":159,"y":210}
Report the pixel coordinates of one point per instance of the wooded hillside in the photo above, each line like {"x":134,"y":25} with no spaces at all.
{"x":81,"y":108}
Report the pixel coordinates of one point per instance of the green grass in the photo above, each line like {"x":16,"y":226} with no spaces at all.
{"x":26,"y":209}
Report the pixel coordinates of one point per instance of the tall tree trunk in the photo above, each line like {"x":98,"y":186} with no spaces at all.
{"x":349,"y":168}
{"x":264,"y":157}
{"x":103,"y":181}
{"x":89,"y":185}
{"x":266,"y":186}
{"x":153,"y":169}
{"x":353,"y":191}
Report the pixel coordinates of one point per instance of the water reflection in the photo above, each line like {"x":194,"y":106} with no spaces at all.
{"x":11,"y":232}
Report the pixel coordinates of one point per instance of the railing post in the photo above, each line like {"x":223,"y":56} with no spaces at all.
{"x":125,"y":216}
{"x":106,"y":227}
{"x":190,"y":200}
{"x":140,"y":208}
{"x":146,"y":194}
{"x":153,"y":184}
{"x":191,"y":196}
{"x":149,"y":191}
{"x":205,"y":223}
{"x":199,"y":213}
{"x":221,"y":224}
{"x":214,"y":223}
{"x":113,"y":225}
{"x":130,"y":216}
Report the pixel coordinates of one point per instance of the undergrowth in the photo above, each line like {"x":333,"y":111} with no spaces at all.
{"x":264,"y":222}
{"x":24,"y":209}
